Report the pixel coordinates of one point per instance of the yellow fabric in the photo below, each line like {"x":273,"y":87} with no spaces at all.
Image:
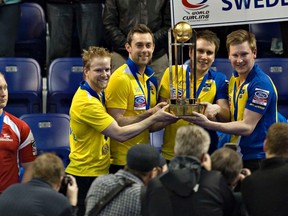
{"x":90,"y":155}
{"x":234,"y":81}
{"x":121,"y":93}
{"x":164,"y":91}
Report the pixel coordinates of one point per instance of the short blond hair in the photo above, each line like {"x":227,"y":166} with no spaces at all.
{"x":94,"y":52}
{"x":240,"y":36}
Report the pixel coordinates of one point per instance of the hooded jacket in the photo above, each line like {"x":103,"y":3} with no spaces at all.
{"x":188,"y":189}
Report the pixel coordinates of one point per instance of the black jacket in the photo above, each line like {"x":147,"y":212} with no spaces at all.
{"x":265,"y":191}
{"x":121,"y":15}
{"x":174,"y":193}
{"x":35,"y":197}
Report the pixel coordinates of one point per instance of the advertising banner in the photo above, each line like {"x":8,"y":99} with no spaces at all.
{"x":210,"y":13}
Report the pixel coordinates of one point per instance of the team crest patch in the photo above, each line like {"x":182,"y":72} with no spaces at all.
{"x":139,"y":102}
{"x":105,"y":149}
{"x":260,"y":97}
{"x":207,"y":87}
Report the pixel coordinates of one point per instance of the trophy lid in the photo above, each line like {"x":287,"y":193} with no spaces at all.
{"x":182,"y":32}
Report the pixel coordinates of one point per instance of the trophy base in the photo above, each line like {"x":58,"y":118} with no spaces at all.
{"x":185,"y":107}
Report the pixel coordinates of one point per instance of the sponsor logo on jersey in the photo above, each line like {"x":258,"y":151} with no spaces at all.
{"x":260,"y":97}
{"x":6,"y":137}
{"x":139,"y":102}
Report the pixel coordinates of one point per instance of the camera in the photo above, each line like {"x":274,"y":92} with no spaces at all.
{"x":64,"y":184}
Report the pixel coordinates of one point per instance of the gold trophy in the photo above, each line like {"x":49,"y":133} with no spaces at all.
{"x":184,"y":35}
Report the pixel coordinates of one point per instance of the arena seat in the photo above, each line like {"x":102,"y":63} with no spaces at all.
{"x":23,"y":76}
{"x":265,"y":32}
{"x":31,"y":39}
{"x":220,"y":64}
{"x":51,"y":133}
{"x":277,"y":69}
{"x":223,"y":65}
{"x":64,"y":77}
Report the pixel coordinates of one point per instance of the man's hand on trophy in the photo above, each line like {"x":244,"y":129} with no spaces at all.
{"x":197,"y":118}
{"x":157,"y":107}
{"x":165,"y":116}
{"x":211,"y":110}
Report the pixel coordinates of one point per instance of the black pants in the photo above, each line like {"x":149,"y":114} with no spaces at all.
{"x":9,"y":22}
{"x":114,"y":168}
{"x":84,"y":184}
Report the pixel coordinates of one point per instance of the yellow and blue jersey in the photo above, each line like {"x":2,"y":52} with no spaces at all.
{"x":257,"y":94}
{"x":209,"y":88}
{"x":134,"y":93}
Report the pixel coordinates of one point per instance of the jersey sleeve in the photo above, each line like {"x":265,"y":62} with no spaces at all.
{"x":222,"y":86}
{"x":27,"y":147}
{"x":260,"y":94}
{"x":117,"y":92}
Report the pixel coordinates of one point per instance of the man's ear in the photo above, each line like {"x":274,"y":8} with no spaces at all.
{"x":206,"y":161}
{"x":190,"y":52}
{"x":255,"y":53}
{"x":127,"y":47}
{"x":85,"y":71}
{"x":146,"y":178}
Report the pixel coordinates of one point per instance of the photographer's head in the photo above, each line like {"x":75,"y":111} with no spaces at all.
{"x":229,"y":163}
{"x":143,"y":161}
{"x":49,"y":168}
{"x":276,"y":142}
{"x":191,"y":140}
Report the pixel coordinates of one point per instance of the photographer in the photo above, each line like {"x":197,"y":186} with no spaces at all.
{"x":40,"y":195}
{"x":229,"y":163}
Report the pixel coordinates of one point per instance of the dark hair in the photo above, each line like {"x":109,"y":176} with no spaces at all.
{"x":209,"y":36}
{"x":140,"y":28}
{"x":139,"y":174}
{"x":228,"y":162}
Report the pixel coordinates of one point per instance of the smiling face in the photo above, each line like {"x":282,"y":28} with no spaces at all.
{"x":141,"y":49}
{"x":3,"y":93}
{"x":98,"y":74}
{"x":205,"y":55}
{"x":242,"y":58}
{"x":207,"y":46}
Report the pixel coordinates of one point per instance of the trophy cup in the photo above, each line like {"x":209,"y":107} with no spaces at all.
{"x":184,"y":35}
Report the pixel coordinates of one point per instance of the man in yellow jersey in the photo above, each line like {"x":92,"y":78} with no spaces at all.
{"x":91,"y":125}
{"x":252,"y":101}
{"x":211,"y":88}
{"x":132,"y":92}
